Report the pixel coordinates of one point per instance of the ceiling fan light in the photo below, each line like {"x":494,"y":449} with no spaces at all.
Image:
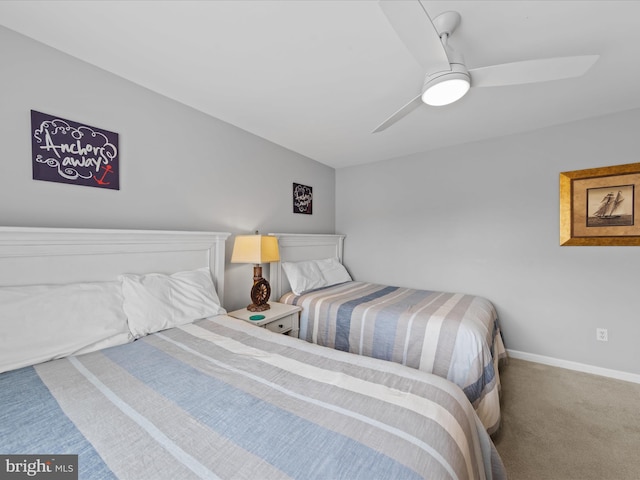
{"x":446,"y":89}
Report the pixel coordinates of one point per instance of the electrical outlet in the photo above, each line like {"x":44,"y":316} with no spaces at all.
{"x":602,"y":335}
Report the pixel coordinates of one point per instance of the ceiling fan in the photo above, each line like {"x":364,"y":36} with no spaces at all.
{"x":447,"y":79}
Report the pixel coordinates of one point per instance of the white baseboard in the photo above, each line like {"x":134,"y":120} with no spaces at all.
{"x":580,"y":367}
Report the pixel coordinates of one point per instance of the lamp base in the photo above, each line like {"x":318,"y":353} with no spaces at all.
{"x":260,"y":293}
{"x":258,"y":308}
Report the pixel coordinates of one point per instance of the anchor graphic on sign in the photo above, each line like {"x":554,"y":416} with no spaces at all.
{"x":101,"y":181}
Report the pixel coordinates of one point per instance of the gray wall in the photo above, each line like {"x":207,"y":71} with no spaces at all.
{"x":483,"y":218}
{"x":180,"y":169}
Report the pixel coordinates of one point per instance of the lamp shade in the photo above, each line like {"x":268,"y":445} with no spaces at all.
{"x":255,"y":249}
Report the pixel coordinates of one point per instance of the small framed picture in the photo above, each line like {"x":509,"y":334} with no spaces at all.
{"x":598,"y":206}
{"x":302,"y":199}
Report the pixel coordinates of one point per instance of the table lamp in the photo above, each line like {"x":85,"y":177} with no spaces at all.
{"x":256,"y":249}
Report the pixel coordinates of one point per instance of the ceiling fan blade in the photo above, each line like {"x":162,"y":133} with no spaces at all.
{"x":414,"y":27}
{"x":403,"y":112}
{"x":531,"y":71}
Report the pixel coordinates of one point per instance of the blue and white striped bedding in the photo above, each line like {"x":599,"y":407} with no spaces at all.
{"x":453,"y":335}
{"x":220,"y":398}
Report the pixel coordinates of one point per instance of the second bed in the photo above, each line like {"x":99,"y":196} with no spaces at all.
{"x":454,"y":335}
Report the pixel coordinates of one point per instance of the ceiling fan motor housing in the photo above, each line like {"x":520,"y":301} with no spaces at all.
{"x":443,"y":88}
{"x":447,"y":86}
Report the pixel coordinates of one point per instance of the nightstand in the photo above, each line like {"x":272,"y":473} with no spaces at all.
{"x":280,"y":318}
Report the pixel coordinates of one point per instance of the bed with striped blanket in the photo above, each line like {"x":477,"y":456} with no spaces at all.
{"x":453,"y":335}
{"x":219,"y":398}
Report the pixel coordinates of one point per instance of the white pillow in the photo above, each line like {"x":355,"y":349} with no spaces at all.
{"x":333,"y":271}
{"x":155,"y":301}
{"x":303,"y":276}
{"x":43,"y":322}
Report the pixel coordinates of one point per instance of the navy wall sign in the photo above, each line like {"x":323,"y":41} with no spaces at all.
{"x":70,"y":152}
{"x":302,"y":199}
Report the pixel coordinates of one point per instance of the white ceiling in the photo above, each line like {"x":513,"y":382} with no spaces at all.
{"x":318,"y":76}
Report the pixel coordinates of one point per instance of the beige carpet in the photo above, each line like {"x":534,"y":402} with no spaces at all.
{"x":559,"y":424}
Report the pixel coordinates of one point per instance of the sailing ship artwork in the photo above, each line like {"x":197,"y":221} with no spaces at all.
{"x":598,"y":206}
{"x":610,"y":206}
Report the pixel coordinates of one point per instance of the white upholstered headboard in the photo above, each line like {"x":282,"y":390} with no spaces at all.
{"x":295,"y":247}
{"x":65,"y":255}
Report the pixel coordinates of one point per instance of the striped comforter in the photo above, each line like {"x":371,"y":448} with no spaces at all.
{"x":453,"y":335}
{"x":220,"y":398}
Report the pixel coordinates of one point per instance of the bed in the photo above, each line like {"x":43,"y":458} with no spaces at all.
{"x":453,"y":335}
{"x":160,"y":393}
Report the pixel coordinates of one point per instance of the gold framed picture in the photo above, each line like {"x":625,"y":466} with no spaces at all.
{"x":598,"y":206}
